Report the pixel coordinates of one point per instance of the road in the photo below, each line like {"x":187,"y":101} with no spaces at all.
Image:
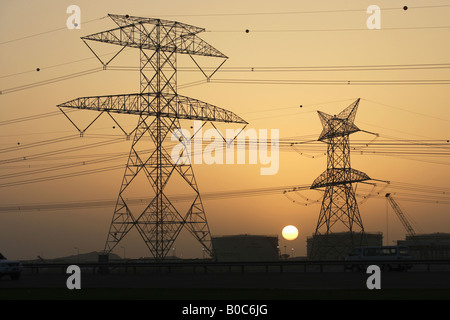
{"x":291,"y":281}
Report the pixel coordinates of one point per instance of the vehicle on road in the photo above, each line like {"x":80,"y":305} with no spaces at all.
{"x":386,"y":257}
{"x":10,"y":267}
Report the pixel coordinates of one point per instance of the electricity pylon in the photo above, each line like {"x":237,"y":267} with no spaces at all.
{"x":159,"y":109}
{"x":339,"y":206}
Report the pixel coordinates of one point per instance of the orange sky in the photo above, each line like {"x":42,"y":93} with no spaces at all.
{"x":275,"y":39}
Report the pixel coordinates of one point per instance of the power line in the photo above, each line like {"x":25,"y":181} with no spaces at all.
{"x":326,"y":68}
{"x":254,"y":69}
{"x":406,"y":110}
{"x":32,"y":117}
{"x":53,"y":80}
{"x":333,"y":30}
{"x":250,"y":14}
{"x":60,"y":151}
{"x":38,"y":144}
{"x":426,"y":144}
{"x":76,"y":75}
{"x":61,"y":176}
{"x":416,"y":148}
{"x":332,"y":82}
{"x":260,"y":69}
{"x":299,"y":12}
{"x":47,"y":32}
{"x":58,"y":65}
{"x":52,"y":169}
{"x":180,"y":197}
{"x":237,"y":193}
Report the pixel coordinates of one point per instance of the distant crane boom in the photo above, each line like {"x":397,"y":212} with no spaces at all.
{"x":401,"y":216}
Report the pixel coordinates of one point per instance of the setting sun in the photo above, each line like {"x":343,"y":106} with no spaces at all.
{"x":290,"y":232}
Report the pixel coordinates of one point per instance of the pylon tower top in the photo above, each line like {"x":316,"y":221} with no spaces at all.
{"x":339,"y":125}
{"x":336,"y":131}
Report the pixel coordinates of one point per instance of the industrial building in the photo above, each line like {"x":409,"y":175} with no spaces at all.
{"x":337,"y":246}
{"x":246,"y":248}
{"x":428,"y":246}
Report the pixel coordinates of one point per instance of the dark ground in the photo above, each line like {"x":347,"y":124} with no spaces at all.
{"x":236,"y":286}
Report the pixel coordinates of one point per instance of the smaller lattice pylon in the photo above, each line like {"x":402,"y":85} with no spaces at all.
{"x":339,"y":208}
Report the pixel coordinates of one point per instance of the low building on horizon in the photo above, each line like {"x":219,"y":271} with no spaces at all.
{"x":428,"y":246}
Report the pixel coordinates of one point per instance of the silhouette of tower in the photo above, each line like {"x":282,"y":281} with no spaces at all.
{"x":339,"y":207}
{"x":159,"y":109}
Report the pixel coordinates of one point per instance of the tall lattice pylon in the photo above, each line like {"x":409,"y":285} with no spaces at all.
{"x":339,"y":206}
{"x":159,"y":109}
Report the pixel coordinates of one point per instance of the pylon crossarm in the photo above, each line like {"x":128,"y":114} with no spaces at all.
{"x":189,"y":108}
{"x":337,"y":176}
{"x":229,"y":141}
{"x":180,"y":38}
{"x":126,"y":20}
{"x":73,"y":123}
{"x":208,"y":77}
{"x":79,"y":130}
{"x":115,"y":121}
{"x":177,"y":106}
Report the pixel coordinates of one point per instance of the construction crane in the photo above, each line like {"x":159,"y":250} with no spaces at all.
{"x":401,"y":216}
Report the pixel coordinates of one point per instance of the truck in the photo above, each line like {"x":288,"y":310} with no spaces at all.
{"x":10,"y":267}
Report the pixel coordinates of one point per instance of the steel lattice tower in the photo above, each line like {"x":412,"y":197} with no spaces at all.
{"x":159,"y":109}
{"x":339,"y":206}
